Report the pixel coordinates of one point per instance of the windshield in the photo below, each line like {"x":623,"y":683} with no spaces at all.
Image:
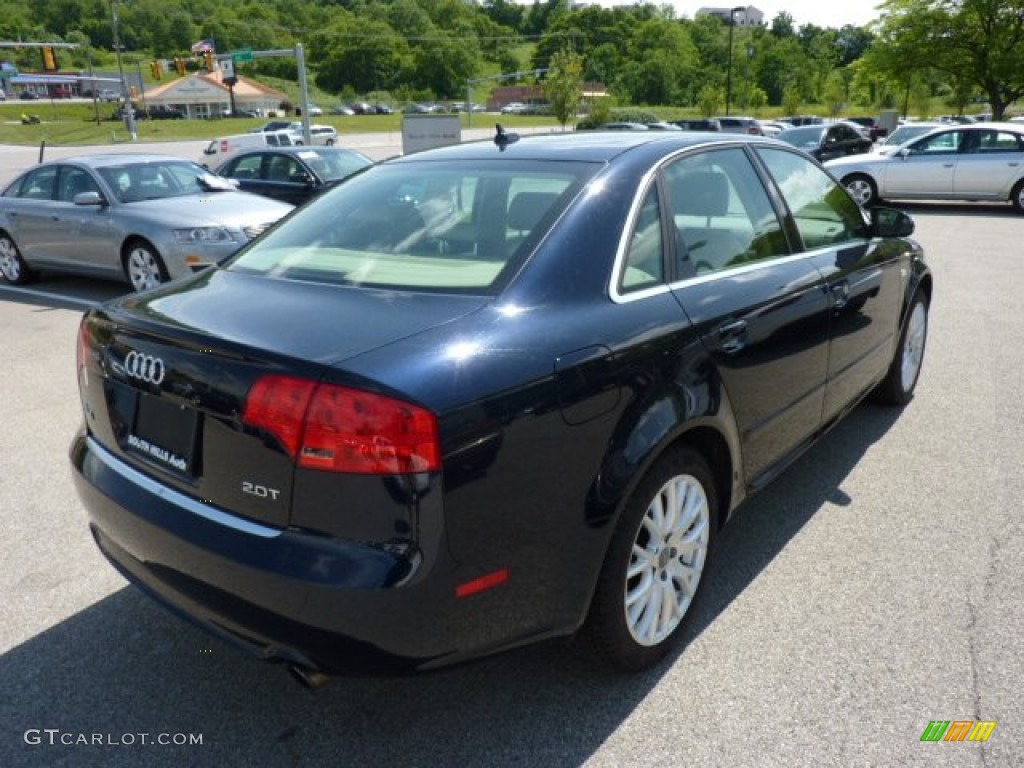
{"x":424,"y":226}
{"x":158,"y":179}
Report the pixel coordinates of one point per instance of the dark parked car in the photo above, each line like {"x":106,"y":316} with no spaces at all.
{"x":828,"y":141}
{"x":292,"y":174}
{"x":871,"y":125}
{"x":702,"y":124}
{"x":163,"y":112}
{"x":481,"y":395}
{"x":747,"y":125}
{"x":800,"y":120}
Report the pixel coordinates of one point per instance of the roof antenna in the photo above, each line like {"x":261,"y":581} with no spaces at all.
{"x":503,"y":138}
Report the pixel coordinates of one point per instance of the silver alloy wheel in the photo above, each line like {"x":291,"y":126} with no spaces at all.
{"x":667,"y":560}
{"x":144,"y":270}
{"x":10,"y":265}
{"x":861,"y":190}
{"x":913,"y":346}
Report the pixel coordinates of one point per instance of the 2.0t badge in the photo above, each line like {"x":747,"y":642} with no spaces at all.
{"x":144,"y":367}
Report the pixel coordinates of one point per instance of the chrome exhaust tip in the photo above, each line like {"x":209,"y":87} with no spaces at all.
{"x":309,"y":678}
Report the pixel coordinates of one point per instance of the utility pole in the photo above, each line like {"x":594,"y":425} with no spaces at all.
{"x":127,"y":111}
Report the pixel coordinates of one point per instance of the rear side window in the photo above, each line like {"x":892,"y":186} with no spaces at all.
{"x":824,"y":213}
{"x":721,"y":211}
{"x":422,"y":226}
{"x":39,"y":184}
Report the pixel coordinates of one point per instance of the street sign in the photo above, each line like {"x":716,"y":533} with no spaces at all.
{"x":241,"y":55}
{"x":227,"y":71}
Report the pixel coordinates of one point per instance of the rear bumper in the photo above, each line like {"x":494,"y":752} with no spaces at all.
{"x":336,"y":606}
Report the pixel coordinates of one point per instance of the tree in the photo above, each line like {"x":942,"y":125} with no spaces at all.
{"x":563,"y":86}
{"x":974,"y":41}
{"x":710,"y":99}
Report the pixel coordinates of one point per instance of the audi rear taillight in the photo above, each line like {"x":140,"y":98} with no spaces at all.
{"x":340,"y":429}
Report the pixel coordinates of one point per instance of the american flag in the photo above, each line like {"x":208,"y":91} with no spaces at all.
{"x":203,"y":46}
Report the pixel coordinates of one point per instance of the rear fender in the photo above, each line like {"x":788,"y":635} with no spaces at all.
{"x":696,"y":411}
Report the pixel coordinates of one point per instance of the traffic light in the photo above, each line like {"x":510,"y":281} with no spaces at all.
{"x":156,"y":69}
{"x":179,"y":65}
{"x":208,"y":58}
{"x":49,"y":59}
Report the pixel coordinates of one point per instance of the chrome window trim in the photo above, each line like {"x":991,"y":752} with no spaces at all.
{"x":205,"y":511}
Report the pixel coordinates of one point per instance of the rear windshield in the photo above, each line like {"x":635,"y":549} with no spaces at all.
{"x":423,"y":226}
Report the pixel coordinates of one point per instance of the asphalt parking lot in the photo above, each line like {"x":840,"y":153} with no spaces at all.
{"x":875,"y":587}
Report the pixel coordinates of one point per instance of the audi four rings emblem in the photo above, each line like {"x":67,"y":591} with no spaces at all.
{"x":144,"y":367}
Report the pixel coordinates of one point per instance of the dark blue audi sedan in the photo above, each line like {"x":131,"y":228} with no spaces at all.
{"x":489,"y":394}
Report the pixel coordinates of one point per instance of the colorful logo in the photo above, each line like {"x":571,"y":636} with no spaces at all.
{"x":958,"y":730}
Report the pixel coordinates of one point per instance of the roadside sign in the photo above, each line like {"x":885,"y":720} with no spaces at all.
{"x":241,"y":55}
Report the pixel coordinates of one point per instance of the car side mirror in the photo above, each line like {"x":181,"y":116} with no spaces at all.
{"x":88,"y":198}
{"x":889,"y":222}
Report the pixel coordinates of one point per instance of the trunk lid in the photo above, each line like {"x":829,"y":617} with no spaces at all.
{"x":167,"y":374}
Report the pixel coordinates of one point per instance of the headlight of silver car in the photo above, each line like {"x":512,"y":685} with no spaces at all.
{"x":203,"y":235}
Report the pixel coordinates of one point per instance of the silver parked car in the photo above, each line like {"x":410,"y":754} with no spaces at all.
{"x":140,"y":218}
{"x":984,"y":161}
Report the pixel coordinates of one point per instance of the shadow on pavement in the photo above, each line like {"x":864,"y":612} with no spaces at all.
{"x":125,"y":666}
{"x":1003,"y":210}
{"x":63,"y":292}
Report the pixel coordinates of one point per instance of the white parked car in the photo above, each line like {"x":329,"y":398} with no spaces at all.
{"x":324,"y":135}
{"x":514,"y":108}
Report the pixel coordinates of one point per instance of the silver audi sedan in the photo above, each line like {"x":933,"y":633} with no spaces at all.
{"x":141,"y":218}
{"x":984,"y":161}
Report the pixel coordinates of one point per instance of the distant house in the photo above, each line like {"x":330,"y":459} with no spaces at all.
{"x":205,"y":95}
{"x":747,"y":17}
{"x":533,"y":95}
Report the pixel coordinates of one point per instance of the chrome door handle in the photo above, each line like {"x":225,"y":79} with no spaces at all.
{"x":732,"y":336}
{"x":840,"y":294}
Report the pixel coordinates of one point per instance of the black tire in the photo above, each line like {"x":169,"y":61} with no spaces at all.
{"x":1017,"y":196}
{"x":143,"y":266}
{"x":622,"y":623}
{"x":862,"y":188}
{"x":12,"y":265}
{"x":897,"y":388}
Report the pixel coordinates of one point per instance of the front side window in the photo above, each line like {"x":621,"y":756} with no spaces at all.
{"x":282,"y":168}
{"x":824,"y":213}
{"x":945,"y":143}
{"x":74,"y":181}
{"x":458,"y":227}
{"x":721,"y":211}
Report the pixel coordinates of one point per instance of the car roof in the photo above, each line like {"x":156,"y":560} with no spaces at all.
{"x":111,"y":158}
{"x":583,"y":146}
{"x":294,"y":149}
